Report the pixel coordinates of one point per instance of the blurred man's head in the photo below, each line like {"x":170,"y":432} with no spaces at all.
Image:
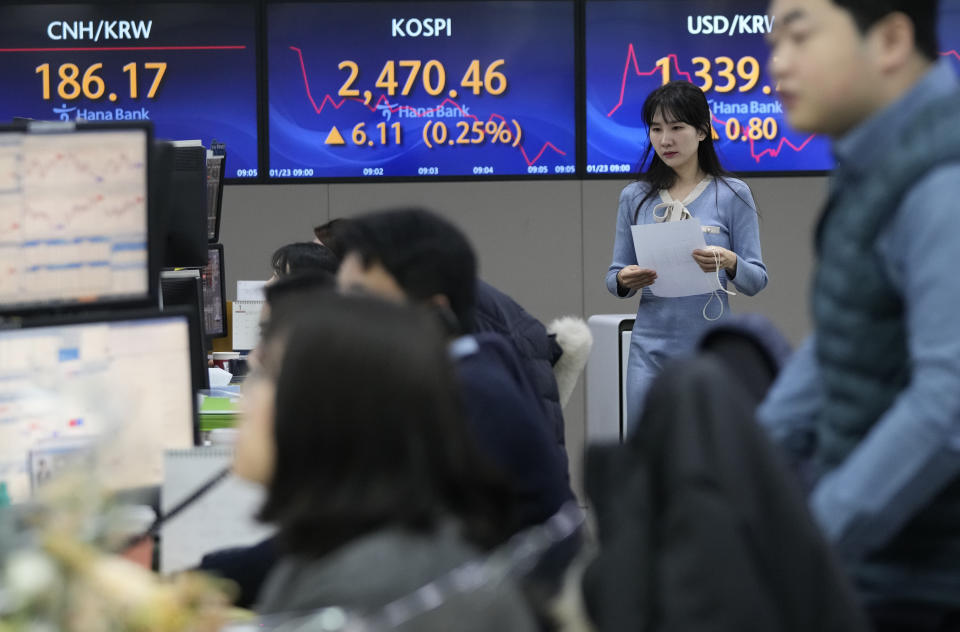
{"x":327,"y":235}
{"x":303,"y":258}
{"x":836,"y":62}
{"x":284,"y":294}
{"x":411,"y":254}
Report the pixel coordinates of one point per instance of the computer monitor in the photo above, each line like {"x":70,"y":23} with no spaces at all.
{"x":120,"y":380}
{"x":182,"y":290}
{"x":75,"y":216}
{"x":180,"y":178}
{"x":214,"y":294}
{"x":215,"y":172}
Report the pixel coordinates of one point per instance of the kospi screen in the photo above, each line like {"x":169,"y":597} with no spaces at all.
{"x":189,"y":68}
{"x":421,"y":89}
{"x":635,"y":47}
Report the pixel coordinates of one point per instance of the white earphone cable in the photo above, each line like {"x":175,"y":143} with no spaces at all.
{"x":716,"y":293}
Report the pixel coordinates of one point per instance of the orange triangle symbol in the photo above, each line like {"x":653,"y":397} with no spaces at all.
{"x":334,"y":137}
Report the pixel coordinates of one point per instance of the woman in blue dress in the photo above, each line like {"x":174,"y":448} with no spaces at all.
{"x":682,"y":179}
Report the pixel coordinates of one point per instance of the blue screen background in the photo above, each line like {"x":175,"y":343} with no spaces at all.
{"x":536,"y":40}
{"x":212,"y":94}
{"x":624,"y":40}
{"x":624,"y":37}
{"x":949,"y":31}
{"x":205,"y":94}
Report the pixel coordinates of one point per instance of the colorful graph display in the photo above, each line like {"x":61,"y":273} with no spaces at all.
{"x":415,"y":89}
{"x":635,"y":47}
{"x":408,"y":89}
{"x":73,"y":217}
{"x":189,"y":68}
{"x":123,"y":385}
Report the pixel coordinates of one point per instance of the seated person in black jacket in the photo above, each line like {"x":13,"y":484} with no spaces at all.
{"x":414,"y":255}
{"x":495,"y":311}
{"x":436,"y":265}
{"x":537,"y":349}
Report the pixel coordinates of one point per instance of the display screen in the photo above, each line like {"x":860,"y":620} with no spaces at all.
{"x":189,"y":68}
{"x":73,"y":217}
{"x":53,"y":385}
{"x":214,"y":305}
{"x":632,"y":48}
{"x":949,"y":31}
{"x":400,"y":89}
{"x":635,"y":47}
{"x":214,"y":195}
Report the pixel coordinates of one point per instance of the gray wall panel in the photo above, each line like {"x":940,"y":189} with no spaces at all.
{"x":258,"y":219}
{"x":600,"y":199}
{"x":527,"y":235}
{"x":789,"y":208}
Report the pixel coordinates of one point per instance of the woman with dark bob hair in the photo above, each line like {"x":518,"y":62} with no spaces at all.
{"x":353,"y":425}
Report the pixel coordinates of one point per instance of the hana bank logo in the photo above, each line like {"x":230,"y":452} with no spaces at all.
{"x":64,"y":112}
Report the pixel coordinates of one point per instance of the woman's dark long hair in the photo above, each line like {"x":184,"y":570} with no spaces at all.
{"x":369,"y":432}
{"x":684,"y":102}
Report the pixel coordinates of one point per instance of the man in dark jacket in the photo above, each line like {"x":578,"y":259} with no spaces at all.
{"x":499,"y":313}
{"x":873,"y":399}
{"x":414,"y":255}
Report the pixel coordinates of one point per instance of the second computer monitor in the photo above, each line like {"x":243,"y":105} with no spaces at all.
{"x":122,"y":382}
{"x":179,"y":182}
{"x":182,"y":290}
{"x":215,"y":173}
{"x":214,"y":294}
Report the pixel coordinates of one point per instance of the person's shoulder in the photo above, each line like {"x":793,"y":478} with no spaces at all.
{"x":933,"y":195}
{"x":736,"y":192}
{"x":634,"y":192}
{"x":404,"y":559}
{"x":737,"y":185}
{"x":490,"y":306}
{"x":491,"y":365}
{"x":481,"y":351}
{"x":943,"y":178}
{"x":495,"y":347}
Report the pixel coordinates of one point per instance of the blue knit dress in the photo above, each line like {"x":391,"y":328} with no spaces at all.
{"x":668,"y":327}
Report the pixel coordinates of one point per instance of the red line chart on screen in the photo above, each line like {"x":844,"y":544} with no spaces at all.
{"x":73,"y":221}
{"x":633,"y":62}
{"x":951,"y":53}
{"x":383,"y":103}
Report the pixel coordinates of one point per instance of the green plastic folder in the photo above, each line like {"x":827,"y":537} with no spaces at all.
{"x":217,"y":412}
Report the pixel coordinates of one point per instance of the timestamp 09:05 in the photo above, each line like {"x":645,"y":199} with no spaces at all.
{"x":557,"y":169}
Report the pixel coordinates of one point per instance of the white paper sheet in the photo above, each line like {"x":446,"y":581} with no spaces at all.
{"x":246,"y":324}
{"x":667,"y":249}
{"x":250,"y":290}
{"x":219,"y":377}
{"x":221,"y":518}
